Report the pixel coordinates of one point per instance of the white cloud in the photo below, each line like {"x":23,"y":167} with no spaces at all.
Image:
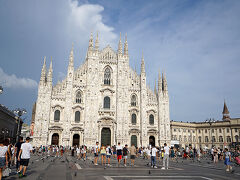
{"x":12,"y":81}
{"x":87,"y":18}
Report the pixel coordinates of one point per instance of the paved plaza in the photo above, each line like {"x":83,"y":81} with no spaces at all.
{"x":69,"y":168}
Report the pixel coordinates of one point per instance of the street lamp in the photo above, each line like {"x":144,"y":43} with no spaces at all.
{"x":19,"y":112}
{"x":4,"y":131}
{"x":210,"y":121}
{"x":1,"y":89}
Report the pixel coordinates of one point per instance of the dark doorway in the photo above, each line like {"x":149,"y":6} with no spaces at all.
{"x":134,"y":140}
{"x":106,"y":136}
{"x":55,"y":139}
{"x":152,"y":140}
{"x":76,"y":139}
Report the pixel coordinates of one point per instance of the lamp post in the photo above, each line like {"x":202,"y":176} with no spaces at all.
{"x":4,"y":131}
{"x":1,"y":89}
{"x":19,"y":112}
{"x":210,"y":122}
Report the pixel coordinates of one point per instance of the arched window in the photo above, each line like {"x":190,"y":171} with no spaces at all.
{"x":107,"y":76}
{"x":78,"y":97}
{"x":236,"y":138}
{"x":206,"y":138}
{"x":228,"y":139}
{"x":106,"y":103}
{"x":213,"y":139}
{"x":134,"y":118}
{"x":200,"y":139}
{"x":151,"y":119}
{"x":57,"y":116}
{"x":220,"y":139}
{"x":77,"y":116}
{"x":133,"y":100}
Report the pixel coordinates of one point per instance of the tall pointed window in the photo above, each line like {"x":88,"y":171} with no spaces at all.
{"x":107,"y":76}
{"x":106,"y":102}
{"x":78,"y":97}
{"x":134,"y":118}
{"x":133,"y":100}
{"x":151,"y":119}
{"x":77,"y":116}
{"x":57,"y":116}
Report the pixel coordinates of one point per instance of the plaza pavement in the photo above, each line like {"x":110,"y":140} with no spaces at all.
{"x":69,"y":168}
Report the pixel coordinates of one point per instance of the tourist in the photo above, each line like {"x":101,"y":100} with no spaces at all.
{"x":103,"y":154}
{"x":25,"y":150}
{"x":119,"y":153}
{"x":3,"y":156}
{"x":96,"y":149}
{"x":132,"y":154}
{"x":17,"y":150}
{"x":227,"y":156}
{"x":153,"y":156}
{"x":166,"y":156}
{"x":215,"y":154}
{"x":78,"y":152}
{"x":172,"y":154}
{"x":114,"y":151}
{"x":109,"y":153}
{"x":125,"y":153}
{"x":199,"y":154}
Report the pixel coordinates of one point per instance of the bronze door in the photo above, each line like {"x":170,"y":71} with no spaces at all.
{"x":55,"y":139}
{"x":106,"y":136}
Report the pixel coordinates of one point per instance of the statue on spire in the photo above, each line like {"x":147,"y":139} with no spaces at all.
{"x":142,"y":65}
{"x":97,"y":43}
{"x":90,"y":46}
{"x":126,"y":46}
{"x":120,"y":46}
{"x":44,"y":71}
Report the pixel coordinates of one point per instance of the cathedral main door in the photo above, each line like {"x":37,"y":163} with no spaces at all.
{"x":106,"y":136}
{"x":55,"y":139}
{"x":76,"y":139}
{"x":152,"y":140}
{"x":134,"y":140}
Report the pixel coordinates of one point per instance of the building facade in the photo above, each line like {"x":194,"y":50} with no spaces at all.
{"x":103,"y":100}
{"x":220,"y":134}
{"x":8,"y":124}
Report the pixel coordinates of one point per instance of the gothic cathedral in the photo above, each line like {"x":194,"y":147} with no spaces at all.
{"x":103,"y":100}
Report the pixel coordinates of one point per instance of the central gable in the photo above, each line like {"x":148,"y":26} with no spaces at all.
{"x":108,"y":54}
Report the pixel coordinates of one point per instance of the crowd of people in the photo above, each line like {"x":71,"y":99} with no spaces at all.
{"x":19,"y":154}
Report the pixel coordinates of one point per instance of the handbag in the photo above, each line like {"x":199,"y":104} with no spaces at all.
{"x":6,"y":172}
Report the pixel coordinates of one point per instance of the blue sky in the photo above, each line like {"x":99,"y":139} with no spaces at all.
{"x":197,"y":43}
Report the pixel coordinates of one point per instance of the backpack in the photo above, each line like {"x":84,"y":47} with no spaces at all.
{"x":110,"y":150}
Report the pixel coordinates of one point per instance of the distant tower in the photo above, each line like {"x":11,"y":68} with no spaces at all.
{"x":226,"y":115}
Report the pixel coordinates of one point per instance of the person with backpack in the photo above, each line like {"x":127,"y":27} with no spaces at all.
{"x":109,"y":153}
{"x":125,"y":154}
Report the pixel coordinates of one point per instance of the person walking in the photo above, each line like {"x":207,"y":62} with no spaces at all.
{"x":125,"y":154}
{"x":17,"y":150}
{"x":25,"y":150}
{"x":166,"y":156}
{"x":109,"y":153}
{"x":103,"y":154}
{"x":96,"y":149}
{"x":132,"y":154}
{"x":119,"y":153}
{"x":227,"y":157}
{"x":3,"y":156}
{"x":153,"y":156}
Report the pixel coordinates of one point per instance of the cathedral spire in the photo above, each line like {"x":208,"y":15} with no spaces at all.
{"x":225,"y":112}
{"x":142,"y":65}
{"x":90,"y":46}
{"x":50,"y":71}
{"x":43,"y":72}
{"x":126,"y":46}
{"x":159,"y":83}
{"x":71,"y":58}
{"x":120,"y":45}
{"x":165,"y":88}
{"x":155,"y":88}
{"x":97,"y":43}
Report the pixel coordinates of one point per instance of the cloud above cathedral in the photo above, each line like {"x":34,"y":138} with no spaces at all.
{"x":12,"y":81}
{"x":86,"y":18}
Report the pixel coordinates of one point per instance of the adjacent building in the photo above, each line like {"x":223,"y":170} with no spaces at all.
{"x":221,"y":133}
{"x":103,"y":100}
{"x":8,"y":124}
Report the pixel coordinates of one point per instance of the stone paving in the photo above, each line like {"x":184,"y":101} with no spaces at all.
{"x":69,"y":168}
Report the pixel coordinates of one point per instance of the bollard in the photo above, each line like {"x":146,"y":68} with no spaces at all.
{"x":75,"y":174}
{"x":149,"y":172}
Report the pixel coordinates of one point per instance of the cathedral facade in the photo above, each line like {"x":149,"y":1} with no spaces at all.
{"x":103,"y":100}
